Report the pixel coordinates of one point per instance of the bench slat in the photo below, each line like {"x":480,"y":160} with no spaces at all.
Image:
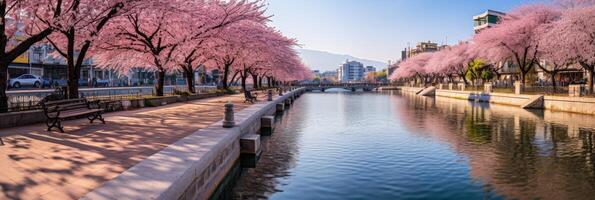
{"x":63,"y":101}
{"x":81,"y":112}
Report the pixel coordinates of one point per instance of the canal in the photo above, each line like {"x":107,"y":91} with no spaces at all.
{"x":401,"y":146}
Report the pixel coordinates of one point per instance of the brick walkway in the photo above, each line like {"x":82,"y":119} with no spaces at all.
{"x":36,"y":164}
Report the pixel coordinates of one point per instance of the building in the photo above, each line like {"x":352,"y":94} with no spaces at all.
{"x":392,"y":67}
{"x":329,"y":75}
{"x":351,"y":71}
{"x":487,"y":19}
{"x":421,"y":47}
{"x":370,"y":69}
{"x":316,"y":73}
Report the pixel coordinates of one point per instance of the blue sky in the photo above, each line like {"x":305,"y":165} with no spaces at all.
{"x":378,"y":29}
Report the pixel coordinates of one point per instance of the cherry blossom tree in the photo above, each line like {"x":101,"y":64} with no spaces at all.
{"x":146,"y":38}
{"x":250,"y":49}
{"x":436,"y":66}
{"x":150,"y":36}
{"x":515,"y":38}
{"x":77,"y":31}
{"x":194,"y":52}
{"x":572,"y":40}
{"x":18,"y":33}
{"x":413,"y":67}
{"x":570,"y":4}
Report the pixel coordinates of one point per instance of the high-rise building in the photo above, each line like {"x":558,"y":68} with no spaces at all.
{"x":487,"y":19}
{"x":350,"y":71}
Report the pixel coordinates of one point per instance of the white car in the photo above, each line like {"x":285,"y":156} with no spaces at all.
{"x":26,"y":80}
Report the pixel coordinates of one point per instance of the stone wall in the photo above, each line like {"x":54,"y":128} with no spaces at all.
{"x":499,"y":98}
{"x":412,"y":89}
{"x":581,"y":105}
{"x":191,"y":168}
{"x":15,"y":119}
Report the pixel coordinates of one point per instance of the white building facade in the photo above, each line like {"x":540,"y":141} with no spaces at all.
{"x":351,"y":71}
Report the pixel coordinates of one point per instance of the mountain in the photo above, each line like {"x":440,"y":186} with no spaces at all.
{"x":325,"y":61}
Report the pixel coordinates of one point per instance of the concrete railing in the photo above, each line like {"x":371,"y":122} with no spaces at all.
{"x":192,"y":167}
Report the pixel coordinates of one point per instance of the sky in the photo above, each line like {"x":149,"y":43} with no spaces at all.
{"x":378,"y":29}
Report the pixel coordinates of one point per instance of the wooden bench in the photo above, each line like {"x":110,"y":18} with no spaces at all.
{"x":58,"y":111}
{"x":249,"y":97}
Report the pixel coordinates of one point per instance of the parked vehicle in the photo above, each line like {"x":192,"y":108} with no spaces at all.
{"x":83,"y":82}
{"x":26,"y":80}
{"x":101,"y":83}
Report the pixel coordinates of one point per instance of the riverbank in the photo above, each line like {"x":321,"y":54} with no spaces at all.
{"x":49,"y":165}
{"x":194,"y":166}
{"x":581,"y":105}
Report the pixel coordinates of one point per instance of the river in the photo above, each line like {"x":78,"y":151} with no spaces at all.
{"x":401,"y":146}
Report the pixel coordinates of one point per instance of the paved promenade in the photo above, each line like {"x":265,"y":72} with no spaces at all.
{"x":36,"y":164}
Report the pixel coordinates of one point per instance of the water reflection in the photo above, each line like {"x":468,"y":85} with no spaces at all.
{"x":383,"y":146}
{"x":521,"y":154}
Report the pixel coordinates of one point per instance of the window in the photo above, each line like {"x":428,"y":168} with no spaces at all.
{"x":493,"y":19}
{"x":26,"y":76}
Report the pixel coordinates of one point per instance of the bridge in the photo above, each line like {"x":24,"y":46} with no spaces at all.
{"x":347,"y":86}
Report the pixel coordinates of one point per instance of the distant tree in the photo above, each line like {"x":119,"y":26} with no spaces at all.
{"x":381,"y":76}
{"x":370,"y":77}
{"x":414,"y":67}
{"x":193,"y":53}
{"x":478,"y":70}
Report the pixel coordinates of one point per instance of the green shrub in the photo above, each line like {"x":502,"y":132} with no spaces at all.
{"x":181,"y":93}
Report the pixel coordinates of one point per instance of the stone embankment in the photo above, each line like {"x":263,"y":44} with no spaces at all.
{"x":194,"y":166}
{"x":582,"y":105}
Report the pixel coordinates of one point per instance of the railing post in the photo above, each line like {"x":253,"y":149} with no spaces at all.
{"x":228,"y":121}
{"x":487,"y":87}
{"x":462,"y":86}
{"x":270,"y":95}
{"x":575,"y":90}
{"x":518,"y":89}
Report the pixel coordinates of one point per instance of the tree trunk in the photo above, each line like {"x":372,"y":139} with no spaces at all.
{"x":260,"y":82}
{"x":553,"y":74}
{"x":160,"y":83}
{"x":255,"y":81}
{"x":523,"y":78}
{"x":3,"y":87}
{"x":243,"y":78}
{"x":73,"y":81}
{"x":225,"y":76}
{"x":72,"y":71}
{"x":269,"y":82}
{"x":190,"y":80}
{"x":590,"y":81}
{"x":465,"y":79}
